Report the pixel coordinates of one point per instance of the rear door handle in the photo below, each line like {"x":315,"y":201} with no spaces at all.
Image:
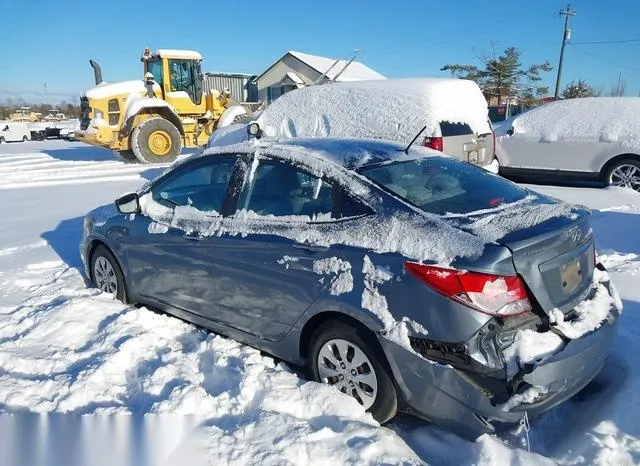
{"x":192,"y":237}
{"x":310,"y":247}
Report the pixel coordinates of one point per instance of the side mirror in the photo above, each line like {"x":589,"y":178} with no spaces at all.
{"x":254,"y":130}
{"x":128,"y":204}
{"x":510,"y":131}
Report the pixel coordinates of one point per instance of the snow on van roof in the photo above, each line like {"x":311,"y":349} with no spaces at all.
{"x":606,"y":119}
{"x":356,"y":71}
{"x":393,"y":109}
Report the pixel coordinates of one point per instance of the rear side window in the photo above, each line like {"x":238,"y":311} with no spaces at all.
{"x":449,"y":129}
{"x":441,"y":185}
{"x":282,"y":190}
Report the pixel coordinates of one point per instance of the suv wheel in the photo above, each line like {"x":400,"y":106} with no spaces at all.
{"x":624,"y":173}
{"x":345,"y":357}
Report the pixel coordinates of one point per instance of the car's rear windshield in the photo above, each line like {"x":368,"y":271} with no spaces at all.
{"x":443,"y":185}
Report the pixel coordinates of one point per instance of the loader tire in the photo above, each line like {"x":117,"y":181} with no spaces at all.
{"x":156,"y":140}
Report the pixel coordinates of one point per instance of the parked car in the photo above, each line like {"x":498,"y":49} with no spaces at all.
{"x":406,"y":279}
{"x":12,"y":131}
{"x":448,"y":115}
{"x":38,"y":134}
{"x":594,"y":138}
{"x":52,"y":132}
{"x":67,"y":134}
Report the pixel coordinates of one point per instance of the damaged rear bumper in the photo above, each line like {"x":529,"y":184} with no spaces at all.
{"x":450,"y":398}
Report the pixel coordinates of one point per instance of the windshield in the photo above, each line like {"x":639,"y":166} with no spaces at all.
{"x":155,"y":68}
{"x":441,"y":185}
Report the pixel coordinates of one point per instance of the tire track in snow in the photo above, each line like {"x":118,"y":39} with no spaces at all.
{"x":40,"y":169}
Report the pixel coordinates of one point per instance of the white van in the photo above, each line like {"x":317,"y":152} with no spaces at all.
{"x":449,"y":115}
{"x":12,"y":131}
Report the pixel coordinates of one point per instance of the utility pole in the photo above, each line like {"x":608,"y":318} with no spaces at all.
{"x":567,"y":12}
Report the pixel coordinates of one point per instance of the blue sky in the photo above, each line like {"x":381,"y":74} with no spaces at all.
{"x":51,"y":42}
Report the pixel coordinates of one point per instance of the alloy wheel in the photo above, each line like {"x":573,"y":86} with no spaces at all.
{"x":105,"y":276}
{"x":626,"y":176}
{"x":345,"y":366}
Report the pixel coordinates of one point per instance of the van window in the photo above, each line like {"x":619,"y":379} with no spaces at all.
{"x":449,"y":129}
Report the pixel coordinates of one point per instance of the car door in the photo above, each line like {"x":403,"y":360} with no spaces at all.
{"x":169,"y":262}
{"x":265,"y":280}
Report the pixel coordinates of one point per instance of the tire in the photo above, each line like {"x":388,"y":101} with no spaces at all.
{"x":126,"y":156}
{"x":106,"y":274}
{"x":624,"y":173}
{"x":2,"y":141}
{"x":331,"y":335}
{"x":156,"y":140}
{"x":25,"y":139}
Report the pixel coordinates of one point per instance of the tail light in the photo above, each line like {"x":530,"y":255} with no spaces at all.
{"x":501,"y":296}
{"x":434,"y":143}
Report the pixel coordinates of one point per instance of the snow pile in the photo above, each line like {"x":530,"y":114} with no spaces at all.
{"x":343,"y":280}
{"x":57,"y":357}
{"x":530,"y":348}
{"x":105,"y":90}
{"x":606,"y":119}
{"x":592,"y":313}
{"x":395,"y":109}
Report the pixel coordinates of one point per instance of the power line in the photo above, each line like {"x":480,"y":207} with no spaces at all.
{"x":622,"y":41}
{"x":637,"y":70}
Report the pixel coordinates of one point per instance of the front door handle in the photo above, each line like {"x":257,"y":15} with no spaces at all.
{"x":310,"y":247}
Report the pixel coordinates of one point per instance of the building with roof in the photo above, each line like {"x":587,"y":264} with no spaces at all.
{"x":296,"y":69}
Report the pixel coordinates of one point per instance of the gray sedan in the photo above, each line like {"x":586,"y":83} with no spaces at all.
{"x":406,"y":279}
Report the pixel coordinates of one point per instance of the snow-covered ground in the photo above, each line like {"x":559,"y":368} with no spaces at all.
{"x":65,"y":348}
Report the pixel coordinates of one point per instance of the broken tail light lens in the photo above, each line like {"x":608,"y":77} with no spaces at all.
{"x":497,"y":295}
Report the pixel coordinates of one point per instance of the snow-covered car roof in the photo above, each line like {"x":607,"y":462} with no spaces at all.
{"x":349,"y":153}
{"x":393,"y":109}
{"x":607,"y":119}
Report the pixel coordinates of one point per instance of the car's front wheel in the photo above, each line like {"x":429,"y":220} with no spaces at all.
{"x":349,"y":359}
{"x":624,"y":173}
{"x":106,"y":274}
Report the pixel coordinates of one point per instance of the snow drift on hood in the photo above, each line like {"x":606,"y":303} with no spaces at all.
{"x":394,"y":109}
{"x":606,"y":119}
{"x":104,"y":90}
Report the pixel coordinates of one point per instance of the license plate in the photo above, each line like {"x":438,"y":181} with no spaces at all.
{"x":571,"y":276}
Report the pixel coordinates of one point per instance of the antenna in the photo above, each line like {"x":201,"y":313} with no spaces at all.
{"x":406,"y":150}
{"x":325,"y":73}
{"x":355,"y":54}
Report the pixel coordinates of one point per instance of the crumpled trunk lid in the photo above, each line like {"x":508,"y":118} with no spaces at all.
{"x":551,"y":243}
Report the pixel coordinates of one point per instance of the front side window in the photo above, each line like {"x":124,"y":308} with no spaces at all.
{"x":441,"y":185}
{"x":282,"y":190}
{"x":203,"y":187}
{"x":185,"y":76}
{"x":155,"y":68}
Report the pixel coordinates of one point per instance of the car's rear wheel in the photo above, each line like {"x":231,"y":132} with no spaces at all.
{"x":2,"y":141}
{"x":624,"y":173}
{"x":106,"y":274}
{"x":349,"y":359}
{"x":24,"y":139}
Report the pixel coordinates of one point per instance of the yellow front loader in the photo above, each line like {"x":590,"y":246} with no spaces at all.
{"x":150,"y":120}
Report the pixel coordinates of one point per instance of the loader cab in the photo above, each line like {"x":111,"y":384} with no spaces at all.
{"x":179,"y":75}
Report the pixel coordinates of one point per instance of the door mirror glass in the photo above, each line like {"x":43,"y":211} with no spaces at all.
{"x":128,"y":204}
